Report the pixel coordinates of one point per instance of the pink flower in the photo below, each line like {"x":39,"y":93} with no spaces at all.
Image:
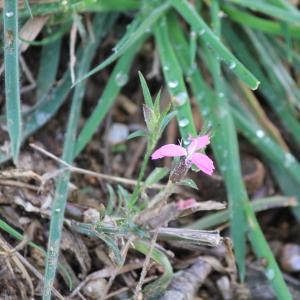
{"x":202,"y":161}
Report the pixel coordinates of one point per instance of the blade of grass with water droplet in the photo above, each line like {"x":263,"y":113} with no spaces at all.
{"x":12,"y":84}
{"x":213,"y":42}
{"x":290,"y":16}
{"x":61,"y":192}
{"x":282,"y":109}
{"x":130,"y":38}
{"x":174,"y":79}
{"x":81,"y":6}
{"x":107,"y":99}
{"x":251,"y":21}
{"x":278,"y":74}
{"x":225,"y":146}
{"x":204,"y":101}
{"x":218,"y":218}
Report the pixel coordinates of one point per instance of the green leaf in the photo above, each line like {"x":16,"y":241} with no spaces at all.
{"x":156,"y":175}
{"x":137,"y":133}
{"x":167,"y":119}
{"x":146,"y":92}
{"x":189,"y":183}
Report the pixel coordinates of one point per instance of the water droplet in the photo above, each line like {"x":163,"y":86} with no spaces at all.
{"x":193,"y":35}
{"x":232,"y":65}
{"x":121,"y":79}
{"x":192,"y":69}
{"x":181,"y":98}
{"x":270,"y":273}
{"x":166,"y":68}
{"x":221,"y":14}
{"x":222,"y":113}
{"x":260,"y":133}
{"x":9,"y":14}
{"x":186,"y":142}
{"x":163,"y":22}
{"x":173,"y":84}
{"x":289,"y":160}
{"x":114,"y":49}
{"x":221,"y":95}
{"x":205,"y":112}
{"x":201,"y":95}
{"x":41,"y":117}
{"x":202,"y":31}
{"x":57,"y":210}
{"x":183,"y":122}
{"x":148,"y":30}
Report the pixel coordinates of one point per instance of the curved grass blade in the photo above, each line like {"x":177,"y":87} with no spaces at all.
{"x":204,"y":97}
{"x":154,"y":289}
{"x":213,"y":42}
{"x":174,"y":80}
{"x":130,"y":38}
{"x":225,"y":146}
{"x":75,"y":6}
{"x":12,"y":87}
{"x":218,"y":218}
{"x":277,"y":73}
{"x":282,"y":108}
{"x":61,"y":192}
{"x":112,"y":89}
{"x":255,"y":22}
{"x":271,"y":10}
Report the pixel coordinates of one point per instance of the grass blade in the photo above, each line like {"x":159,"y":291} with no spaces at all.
{"x":108,"y":97}
{"x":218,"y":218}
{"x":282,"y":109}
{"x":205,"y":97}
{"x":271,"y":10}
{"x":255,"y":22}
{"x":48,"y":68}
{"x":174,"y":79}
{"x":12,"y":88}
{"x":131,"y":37}
{"x":212,"y":41}
{"x":153,"y":290}
{"x":61,"y":192}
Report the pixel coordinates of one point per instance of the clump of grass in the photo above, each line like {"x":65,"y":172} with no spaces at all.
{"x":244,"y":47}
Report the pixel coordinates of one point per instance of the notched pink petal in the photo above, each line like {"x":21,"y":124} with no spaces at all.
{"x":187,"y":203}
{"x":169,"y":150}
{"x":198,"y":143}
{"x":203,"y":162}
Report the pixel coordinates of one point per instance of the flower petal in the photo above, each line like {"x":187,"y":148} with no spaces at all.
{"x":203,"y":162}
{"x":169,"y":150}
{"x":198,"y":143}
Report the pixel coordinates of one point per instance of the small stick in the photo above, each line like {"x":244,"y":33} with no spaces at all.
{"x":145,"y":266}
{"x":91,"y":173}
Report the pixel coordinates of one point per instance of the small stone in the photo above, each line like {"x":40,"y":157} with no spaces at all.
{"x":94,"y":289}
{"x":290,"y":258}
